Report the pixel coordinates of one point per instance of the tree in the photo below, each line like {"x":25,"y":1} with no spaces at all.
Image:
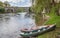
{"x":50,"y":5}
{"x":7,"y":4}
{"x":39,"y":6}
{"x":20,"y":10}
{"x":2,"y":10}
{"x":1,"y":4}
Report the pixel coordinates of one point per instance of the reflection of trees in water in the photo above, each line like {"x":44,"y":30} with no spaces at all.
{"x":4,"y":18}
{"x":7,"y":19}
{"x":27,"y":15}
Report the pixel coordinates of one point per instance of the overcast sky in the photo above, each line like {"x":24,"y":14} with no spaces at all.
{"x":19,"y":3}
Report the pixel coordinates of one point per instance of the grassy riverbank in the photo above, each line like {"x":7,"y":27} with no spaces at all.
{"x":51,"y":34}
{"x":53,"y":19}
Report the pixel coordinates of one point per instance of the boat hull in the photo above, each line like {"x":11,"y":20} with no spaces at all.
{"x":38,"y":33}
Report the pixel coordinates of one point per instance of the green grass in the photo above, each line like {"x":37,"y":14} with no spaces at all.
{"x":53,"y":19}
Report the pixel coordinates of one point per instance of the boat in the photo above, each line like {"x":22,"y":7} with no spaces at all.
{"x":39,"y":31}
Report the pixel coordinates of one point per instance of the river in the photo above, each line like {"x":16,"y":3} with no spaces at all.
{"x":11,"y":24}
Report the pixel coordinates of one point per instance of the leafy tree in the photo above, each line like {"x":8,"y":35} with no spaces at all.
{"x":6,"y":3}
{"x":20,"y":10}
{"x":1,"y":4}
{"x":49,"y":5}
{"x":2,"y":10}
{"x":38,"y":8}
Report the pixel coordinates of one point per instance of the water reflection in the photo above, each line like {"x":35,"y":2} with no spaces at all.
{"x":10,"y":25}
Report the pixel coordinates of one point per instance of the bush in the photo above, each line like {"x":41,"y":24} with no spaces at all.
{"x":2,"y":10}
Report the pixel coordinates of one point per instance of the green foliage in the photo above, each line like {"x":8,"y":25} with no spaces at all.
{"x":20,"y":10}
{"x":6,"y":3}
{"x":38,"y":8}
{"x":54,"y":18}
{"x":1,"y":4}
{"x":2,"y":10}
{"x":54,"y":7}
{"x":40,"y":5}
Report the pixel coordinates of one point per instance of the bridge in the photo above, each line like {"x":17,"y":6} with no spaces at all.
{"x":14,"y":9}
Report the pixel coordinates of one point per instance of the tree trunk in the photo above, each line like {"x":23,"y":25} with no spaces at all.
{"x":58,"y":12}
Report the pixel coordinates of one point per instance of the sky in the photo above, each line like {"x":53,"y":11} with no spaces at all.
{"x":19,"y":3}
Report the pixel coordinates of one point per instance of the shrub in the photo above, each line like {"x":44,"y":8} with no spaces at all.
{"x":2,"y":10}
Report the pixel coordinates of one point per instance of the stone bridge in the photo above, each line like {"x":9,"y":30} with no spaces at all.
{"x":14,"y":9}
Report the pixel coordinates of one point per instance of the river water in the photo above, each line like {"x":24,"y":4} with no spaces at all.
{"x":11,"y":24}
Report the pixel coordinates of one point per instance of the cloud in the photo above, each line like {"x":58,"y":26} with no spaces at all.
{"x":19,"y":3}
{"x":2,"y":0}
{"x":10,"y":0}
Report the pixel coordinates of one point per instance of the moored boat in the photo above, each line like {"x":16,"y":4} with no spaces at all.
{"x":40,"y":30}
